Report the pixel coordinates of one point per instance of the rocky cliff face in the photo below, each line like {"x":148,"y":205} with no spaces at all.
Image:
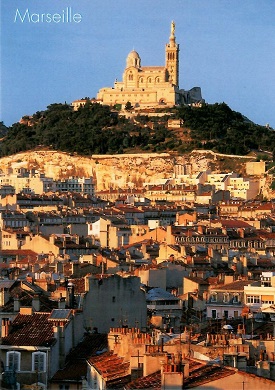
{"x":107,"y":170}
{"x":113,"y":171}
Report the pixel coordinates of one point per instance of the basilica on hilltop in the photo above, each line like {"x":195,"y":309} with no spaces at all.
{"x":151,"y":86}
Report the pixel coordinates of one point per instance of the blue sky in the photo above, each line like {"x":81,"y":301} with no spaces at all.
{"x":227,"y":47}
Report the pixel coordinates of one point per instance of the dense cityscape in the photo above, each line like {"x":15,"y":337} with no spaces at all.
{"x":137,"y":282}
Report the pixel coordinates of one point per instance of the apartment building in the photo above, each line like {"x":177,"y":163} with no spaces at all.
{"x":260,"y":295}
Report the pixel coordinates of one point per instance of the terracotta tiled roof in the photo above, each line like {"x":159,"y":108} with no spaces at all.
{"x":197,"y":280}
{"x":79,"y":285}
{"x":110,"y":366}
{"x":238,"y":285}
{"x":266,"y":206}
{"x":199,"y":373}
{"x":34,"y":329}
{"x":152,"y":381}
{"x":18,"y":252}
{"x":128,"y":209}
{"x":205,"y":374}
{"x":265,"y":234}
{"x":234,"y":223}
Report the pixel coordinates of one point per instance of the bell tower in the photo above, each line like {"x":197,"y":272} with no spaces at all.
{"x":172,"y":57}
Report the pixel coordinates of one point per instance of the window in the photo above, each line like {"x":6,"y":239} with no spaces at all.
{"x":13,"y":360}
{"x":225,"y":313}
{"x":253,"y":299}
{"x":213,"y":297}
{"x":226,"y":298}
{"x":39,"y":361}
{"x":214,"y":313}
{"x":235,"y":298}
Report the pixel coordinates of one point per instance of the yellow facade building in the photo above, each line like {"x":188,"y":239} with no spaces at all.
{"x":150,"y":86}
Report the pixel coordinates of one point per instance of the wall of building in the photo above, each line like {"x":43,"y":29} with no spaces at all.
{"x":240,"y":380}
{"x":123,"y":301}
{"x":153,"y":277}
{"x":39,"y":244}
{"x":255,"y":167}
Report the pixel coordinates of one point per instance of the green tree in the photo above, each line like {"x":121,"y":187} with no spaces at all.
{"x":128,"y":106}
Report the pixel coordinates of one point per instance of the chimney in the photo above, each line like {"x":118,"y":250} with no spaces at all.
{"x":4,"y":296}
{"x":200,"y":229}
{"x":16,"y":304}
{"x":76,"y":269}
{"x":182,"y":250}
{"x":59,"y":267}
{"x":36,"y":303}
{"x":170,"y":238}
{"x":87,"y":283}
{"x":59,"y":334}
{"x":173,"y":373}
{"x":241,"y":233}
{"x":6,"y":323}
{"x":52,"y":238}
{"x":26,"y":311}
{"x":61,"y":303}
{"x":244,"y":261}
{"x":70,"y":295}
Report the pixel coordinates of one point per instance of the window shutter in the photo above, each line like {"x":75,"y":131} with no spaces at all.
{"x":14,"y":360}
{"x":39,"y":361}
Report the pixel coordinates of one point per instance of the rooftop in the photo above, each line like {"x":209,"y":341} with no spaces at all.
{"x":76,"y":365}
{"x":34,"y":329}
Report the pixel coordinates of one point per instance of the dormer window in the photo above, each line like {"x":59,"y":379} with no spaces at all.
{"x":213,"y":297}
{"x":236,"y":298}
{"x":226,"y":298}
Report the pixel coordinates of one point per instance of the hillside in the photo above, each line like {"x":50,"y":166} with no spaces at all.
{"x":120,"y":170}
{"x":96,"y":129}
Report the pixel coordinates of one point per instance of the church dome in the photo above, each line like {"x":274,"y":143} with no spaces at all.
{"x":133,"y":59}
{"x":133,"y":54}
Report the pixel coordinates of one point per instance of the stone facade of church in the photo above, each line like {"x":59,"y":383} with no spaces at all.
{"x":151,"y":86}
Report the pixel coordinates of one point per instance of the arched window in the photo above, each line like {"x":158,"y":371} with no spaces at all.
{"x":149,"y":80}
{"x":130,"y":76}
{"x":141,"y":80}
{"x":157,"y":79}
